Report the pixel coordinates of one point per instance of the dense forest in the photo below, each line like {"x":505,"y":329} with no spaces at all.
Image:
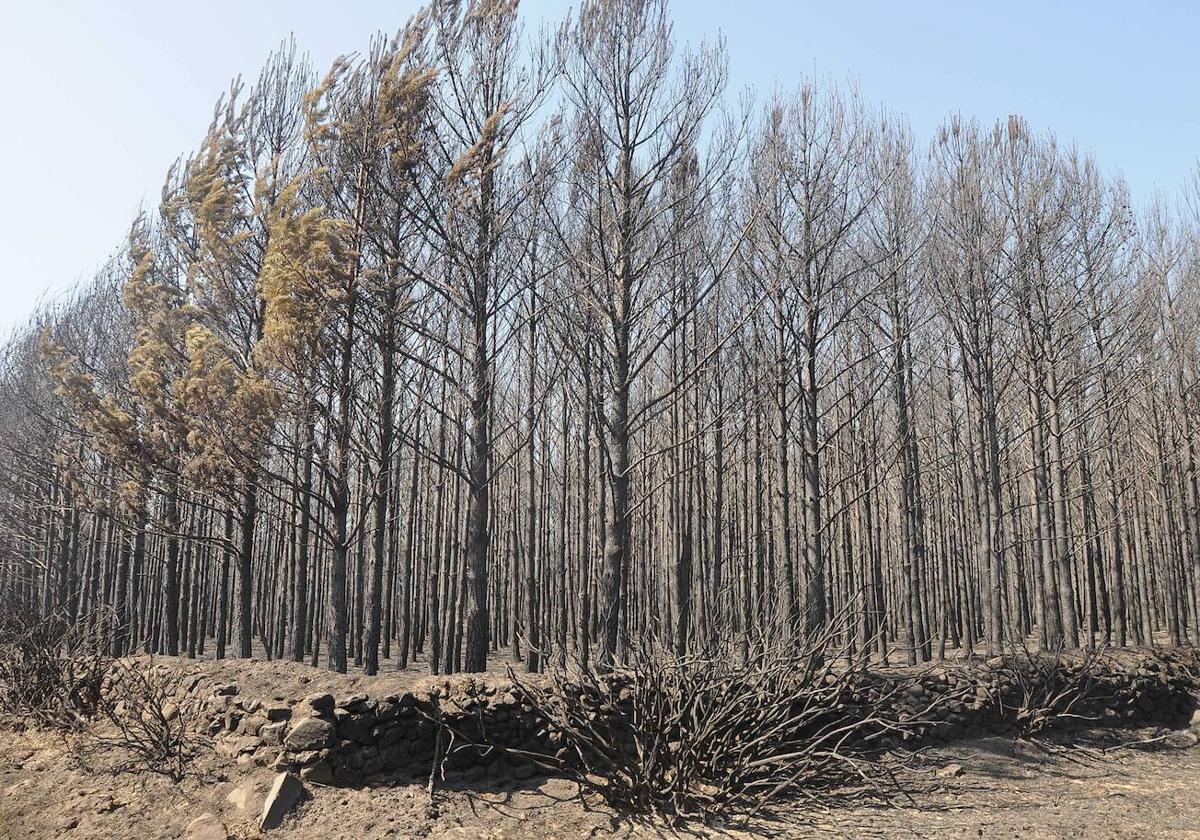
{"x":501,"y":343}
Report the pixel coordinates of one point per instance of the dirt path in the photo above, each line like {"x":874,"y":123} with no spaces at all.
{"x":1005,"y":790}
{"x":1014,"y":790}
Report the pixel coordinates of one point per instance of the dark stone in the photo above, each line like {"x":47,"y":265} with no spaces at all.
{"x":346,"y":776}
{"x":395,"y":756}
{"x":321,"y":704}
{"x":310,"y":734}
{"x":386,"y":736}
{"x":499,"y":771}
{"x":357,"y":728}
{"x":320,"y":773}
{"x":524,"y":770}
{"x":272,"y":733}
{"x":277,"y":711}
{"x":386,"y":710}
{"x":356,"y":703}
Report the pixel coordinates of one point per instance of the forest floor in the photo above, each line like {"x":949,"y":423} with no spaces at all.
{"x":991,"y":788}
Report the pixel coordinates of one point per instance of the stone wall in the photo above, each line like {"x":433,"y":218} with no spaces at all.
{"x":1005,"y":695}
{"x":346,"y":740}
{"x":486,"y":732}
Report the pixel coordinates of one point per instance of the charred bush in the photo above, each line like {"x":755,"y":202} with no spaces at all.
{"x":141,"y":723}
{"x":1036,"y":691}
{"x":52,"y":667}
{"x":698,"y":735}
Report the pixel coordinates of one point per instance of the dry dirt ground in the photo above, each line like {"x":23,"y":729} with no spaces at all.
{"x":1005,"y":789}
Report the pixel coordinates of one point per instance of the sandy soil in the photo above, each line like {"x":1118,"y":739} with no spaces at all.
{"x":1005,"y":790}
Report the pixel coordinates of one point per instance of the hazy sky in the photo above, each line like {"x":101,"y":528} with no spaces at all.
{"x":101,"y":96}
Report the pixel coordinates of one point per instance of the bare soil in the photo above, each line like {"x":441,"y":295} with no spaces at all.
{"x":992,"y":788}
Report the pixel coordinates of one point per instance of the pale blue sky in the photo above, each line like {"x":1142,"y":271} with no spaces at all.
{"x":100,"y":95}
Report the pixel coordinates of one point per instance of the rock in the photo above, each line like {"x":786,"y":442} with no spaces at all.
{"x":387,"y":736}
{"x":276,"y":711}
{"x":247,"y":798}
{"x":355,"y":703}
{"x":386,"y":710}
{"x":1195,"y":724}
{"x":285,"y":792}
{"x":395,"y":756}
{"x":320,"y":704}
{"x":524,"y":770}
{"x":206,"y":827}
{"x":499,"y":772}
{"x":1181,"y":740}
{"x":231,"y":747}
{"x":347,"y":776}
{"x":319,"y":774}
{"x":272,"y":733}
{"x":357,"y":728}
{"x":310,"y":734}
{"x":252,"y":725}
{"x":226,"y":690}
{"x":950,"y":771}
{"x":170,"y":711}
